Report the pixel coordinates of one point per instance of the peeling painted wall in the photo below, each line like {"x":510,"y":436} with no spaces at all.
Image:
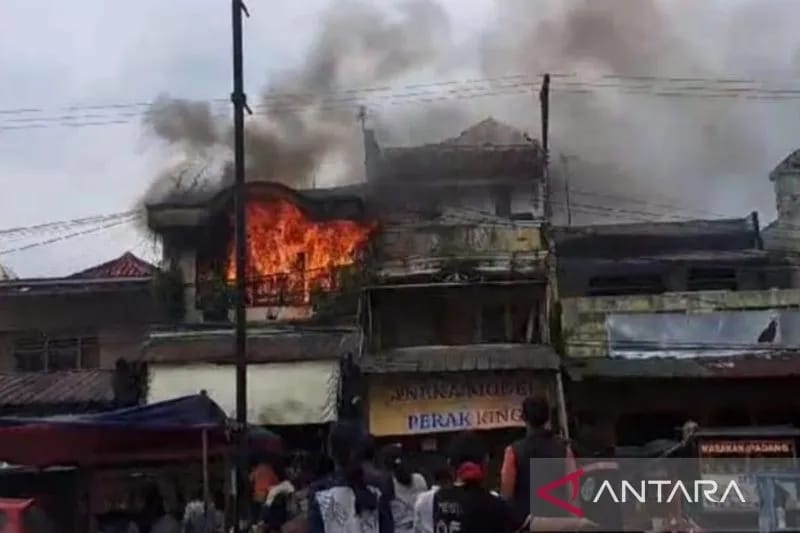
{"x":430,"y":249}
{"x":457,"y":241}
{"x":583,"y":319}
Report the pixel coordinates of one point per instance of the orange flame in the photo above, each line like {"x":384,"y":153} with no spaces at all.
{"x":288,"y":250}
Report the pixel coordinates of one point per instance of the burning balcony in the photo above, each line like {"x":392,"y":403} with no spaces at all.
{"x":289,"y":254}
{"x":299,"y":245}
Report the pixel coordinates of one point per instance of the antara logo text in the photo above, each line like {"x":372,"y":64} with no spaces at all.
{"x":700,"y":491}
{"x":666,"y":491}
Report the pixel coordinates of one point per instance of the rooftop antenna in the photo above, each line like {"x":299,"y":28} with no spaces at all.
{"x":362,"y":117}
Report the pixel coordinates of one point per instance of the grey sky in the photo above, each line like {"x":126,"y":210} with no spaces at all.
{"x":57,"y":54}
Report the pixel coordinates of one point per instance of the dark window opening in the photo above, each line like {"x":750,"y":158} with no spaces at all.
{"x":493,"y":322}
{"x":454,"y":317}
{"x":625,"y":285}
{"x":39,"y":353}
{"x":502,"y":202}
{"x":640,"y":428}
{"x":730,"y":417}
{"x":712,"y":279}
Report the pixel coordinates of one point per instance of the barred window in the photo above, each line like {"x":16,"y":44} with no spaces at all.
{"x":43,"y":353}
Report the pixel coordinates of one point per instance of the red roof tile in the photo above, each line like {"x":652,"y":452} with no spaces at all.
{"x":125,"y":266}
{"x":50,"y":388}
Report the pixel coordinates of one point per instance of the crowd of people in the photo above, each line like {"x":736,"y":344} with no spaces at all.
{"x":358,"y":488}
{"x":367,"y":490}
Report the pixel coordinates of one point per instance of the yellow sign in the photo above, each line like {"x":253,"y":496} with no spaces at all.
{"x":458,"y":402}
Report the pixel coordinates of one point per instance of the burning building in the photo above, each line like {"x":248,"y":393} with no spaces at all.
{"x":445,"y":242}
{"x":297,"y":243}
{"x":300,"y":245}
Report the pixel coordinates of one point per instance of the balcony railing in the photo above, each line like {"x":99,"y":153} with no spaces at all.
{"x":276,"y":290}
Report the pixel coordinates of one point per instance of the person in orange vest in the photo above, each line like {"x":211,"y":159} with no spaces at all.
{"x":262,"y":478}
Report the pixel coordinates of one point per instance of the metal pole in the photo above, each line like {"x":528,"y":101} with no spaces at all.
{"x":240,"y":235}
{"x":565,"y":167}
{"x":544,"y":101}
{"x":206,"y":491}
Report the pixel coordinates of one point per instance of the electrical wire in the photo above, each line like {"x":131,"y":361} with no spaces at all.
{"x":519,"y":84}
{"x":67,"y":224}
{"x":72,"y":235}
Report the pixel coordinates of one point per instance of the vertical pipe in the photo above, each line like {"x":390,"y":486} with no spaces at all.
{"x":205,"y":474}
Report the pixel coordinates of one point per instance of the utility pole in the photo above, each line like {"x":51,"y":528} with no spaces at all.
{"x":552,"y":271}
{"x":239,"y":100}
{"x":544,"y":101}
{"x":565,"y":168}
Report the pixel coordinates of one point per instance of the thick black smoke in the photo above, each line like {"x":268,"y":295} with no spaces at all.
{"x":305,"y":123}
{"x":707,"y":155}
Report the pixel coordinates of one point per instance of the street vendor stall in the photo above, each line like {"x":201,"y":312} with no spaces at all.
{"x":117,"y":450}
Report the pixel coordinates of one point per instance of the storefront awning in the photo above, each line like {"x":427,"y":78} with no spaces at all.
{"x":462,"y":358}
{"x":277,"y":393}
{"x":743,"y":367}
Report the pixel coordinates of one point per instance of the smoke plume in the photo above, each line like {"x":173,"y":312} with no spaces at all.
{"x":712,"y":154}
{"x":708,"y":155}
{"x":305,"y":122}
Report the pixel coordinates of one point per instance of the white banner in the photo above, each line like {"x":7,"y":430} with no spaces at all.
{"x":717,"y":334}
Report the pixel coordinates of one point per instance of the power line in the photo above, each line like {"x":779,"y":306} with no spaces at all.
{"x":124,"y":113}
{"x":65,"y":224}
{"x":70,"y":235}
{"x":608,"y":80}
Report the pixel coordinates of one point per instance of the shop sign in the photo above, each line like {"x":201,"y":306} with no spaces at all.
{"x":745,"y":448}
{"x":723,"y":460}
{"x":454,"y":403}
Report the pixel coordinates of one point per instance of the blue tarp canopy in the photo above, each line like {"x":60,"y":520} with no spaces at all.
{"x":164,"y":431}
{"x":189,"y":412}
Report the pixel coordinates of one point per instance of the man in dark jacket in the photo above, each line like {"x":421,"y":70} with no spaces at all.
{"x":557,"y":461}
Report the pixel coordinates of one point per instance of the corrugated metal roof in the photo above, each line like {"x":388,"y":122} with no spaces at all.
{"x":125,"y":266}
{"x":263,"y":345}
{"x":50,"y":388}
{"x":746,"y":366}
{"x":462,"y":358}
{"x":656,"y":239}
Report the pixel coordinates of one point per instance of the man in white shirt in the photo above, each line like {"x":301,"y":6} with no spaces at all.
{"x":424,"y":505}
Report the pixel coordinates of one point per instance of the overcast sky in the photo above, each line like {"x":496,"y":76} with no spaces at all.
{"x":56,"y":54}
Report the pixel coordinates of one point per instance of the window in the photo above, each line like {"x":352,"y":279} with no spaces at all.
{"x":622,"y":285}
{"x":502,"y":202}
{"x":40,"y":353}
{"x":493,"y":320}
{"x":456,"y":316}
{"x":509,"y":322}
{"x":712,"y":279}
